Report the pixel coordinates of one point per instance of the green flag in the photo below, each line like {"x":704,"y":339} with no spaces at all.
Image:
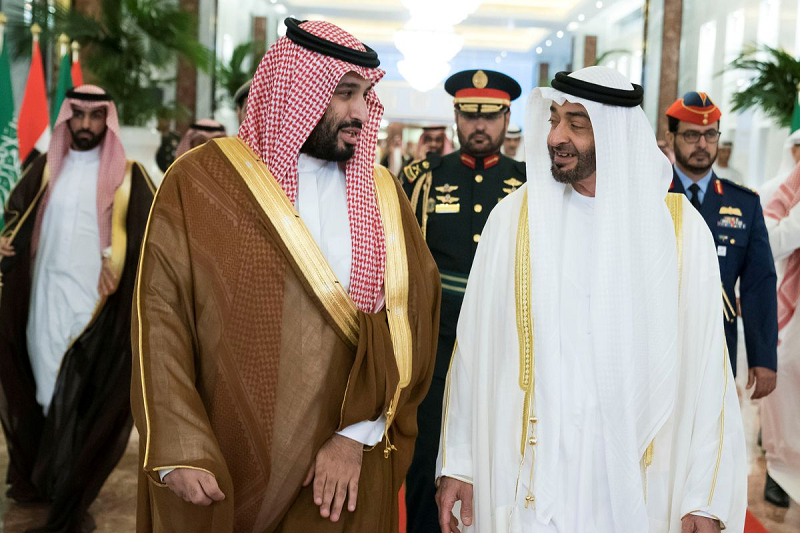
{"x":9,"y":147}
{"x":796,"y":112}
{"x":64,"y":84}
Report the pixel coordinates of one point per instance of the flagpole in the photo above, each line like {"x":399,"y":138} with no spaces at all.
{"x":3,"y":20}
{"x":63,"y":45}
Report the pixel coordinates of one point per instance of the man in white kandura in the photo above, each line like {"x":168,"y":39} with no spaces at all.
{"x":590,"y":390}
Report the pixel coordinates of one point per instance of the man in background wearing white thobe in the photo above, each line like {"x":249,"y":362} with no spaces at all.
{"x":69,"y":249}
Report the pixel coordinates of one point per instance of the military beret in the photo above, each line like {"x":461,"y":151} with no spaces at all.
{"x":696,"y":108}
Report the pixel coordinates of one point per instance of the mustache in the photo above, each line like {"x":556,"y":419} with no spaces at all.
{"x":352,"y":124}
{"x":700,"y":152}
{"x":88,"y":132}
{"x":564,"y":147}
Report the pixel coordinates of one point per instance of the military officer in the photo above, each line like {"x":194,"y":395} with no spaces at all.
{"x":733,"y":213}
{"x":452,"y":196}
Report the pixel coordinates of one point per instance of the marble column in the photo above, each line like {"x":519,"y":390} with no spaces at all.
{"x":544,"y":75}
{"x":589,"y":50}
{"x":670,"y":61}
{"x":186,"y":79}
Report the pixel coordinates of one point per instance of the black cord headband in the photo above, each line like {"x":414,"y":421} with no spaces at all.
{"x":89,"y":97}
{"x":200,"y":127}
{"x":598,"y":93}
{"x":298,"y":35}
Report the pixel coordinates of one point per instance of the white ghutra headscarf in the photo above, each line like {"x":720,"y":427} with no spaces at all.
{"x":633,"y":286}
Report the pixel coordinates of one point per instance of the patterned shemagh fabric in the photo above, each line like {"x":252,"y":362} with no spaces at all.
{"x":289,"y":96}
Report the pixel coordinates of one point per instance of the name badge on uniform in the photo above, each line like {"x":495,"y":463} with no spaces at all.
{"x":448,"y":203}
{"x":722,"y":251}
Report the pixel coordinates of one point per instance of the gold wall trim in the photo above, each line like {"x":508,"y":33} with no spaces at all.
{"x":294,"y":233}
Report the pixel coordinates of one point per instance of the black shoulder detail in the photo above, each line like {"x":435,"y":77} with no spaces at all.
{"x":739,"y":186}
{"x":414,"y":170}
{"x":145,"y":176}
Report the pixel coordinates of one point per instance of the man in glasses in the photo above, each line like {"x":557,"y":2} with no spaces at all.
{"x":734,"y":216}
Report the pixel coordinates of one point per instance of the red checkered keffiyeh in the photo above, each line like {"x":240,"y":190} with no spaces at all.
{"x":784,"y":199}
{"x":290,"y":93}
{"x":112,"y":162}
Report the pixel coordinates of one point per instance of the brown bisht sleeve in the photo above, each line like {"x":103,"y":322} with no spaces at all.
{"x":164,"y":398}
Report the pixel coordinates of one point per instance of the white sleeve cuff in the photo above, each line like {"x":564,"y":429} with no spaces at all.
{"x":163,"y":473}
{"x":368,"y":433}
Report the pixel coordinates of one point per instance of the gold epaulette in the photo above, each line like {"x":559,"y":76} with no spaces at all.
{"x":414,"y":170}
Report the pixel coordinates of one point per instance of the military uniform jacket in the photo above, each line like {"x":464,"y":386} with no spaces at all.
{"x":734,"y":216}
{"x":452,"y":197}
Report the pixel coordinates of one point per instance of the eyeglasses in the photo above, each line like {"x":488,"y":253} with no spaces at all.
{"x":692,"y":136}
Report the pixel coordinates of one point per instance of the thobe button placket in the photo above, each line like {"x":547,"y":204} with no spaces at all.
{"x":532,"y":441}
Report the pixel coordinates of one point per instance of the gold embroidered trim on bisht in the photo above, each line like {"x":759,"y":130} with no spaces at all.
{"x":294,"y":233}
{"x":522,"y":272}
{"x":395,"y":285}
{"x":527,"y":360}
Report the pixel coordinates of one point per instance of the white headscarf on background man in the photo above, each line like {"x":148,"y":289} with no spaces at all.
{"x":633,"y":284}
{"x":767,"y":190}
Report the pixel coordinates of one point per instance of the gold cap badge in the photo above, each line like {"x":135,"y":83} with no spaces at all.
{"x":480,"y":80}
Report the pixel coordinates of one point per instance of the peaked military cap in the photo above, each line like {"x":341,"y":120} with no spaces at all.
{"x":696,"y":108}
{"x":482,"y":91}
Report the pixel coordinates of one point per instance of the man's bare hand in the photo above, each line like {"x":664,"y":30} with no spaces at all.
{"x":6,"y":250}
{"x":108,"y":280}
{"x":764,"y":379}
{"x":335,"y":473}
{"x":194,"y":486}
{"x":699,"y":524}
{"x":450,"y":491}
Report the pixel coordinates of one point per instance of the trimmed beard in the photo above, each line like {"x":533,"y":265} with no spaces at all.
{"x":694,"y":169}
{"x":468,"y":148}
{"x":323,"y":143}
{"x":86,"y":144}
{"x":585,"y":167}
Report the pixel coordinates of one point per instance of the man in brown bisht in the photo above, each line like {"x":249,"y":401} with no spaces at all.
{"x":286,"y":312}
{"x":69,"y":249}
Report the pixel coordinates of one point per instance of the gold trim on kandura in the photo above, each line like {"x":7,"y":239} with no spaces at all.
{"x":522,"y":272}
{"x":446,"y":413}
{"x":725,"y":360}
{"x":295,"y":234}
{"x":675,"y":206}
